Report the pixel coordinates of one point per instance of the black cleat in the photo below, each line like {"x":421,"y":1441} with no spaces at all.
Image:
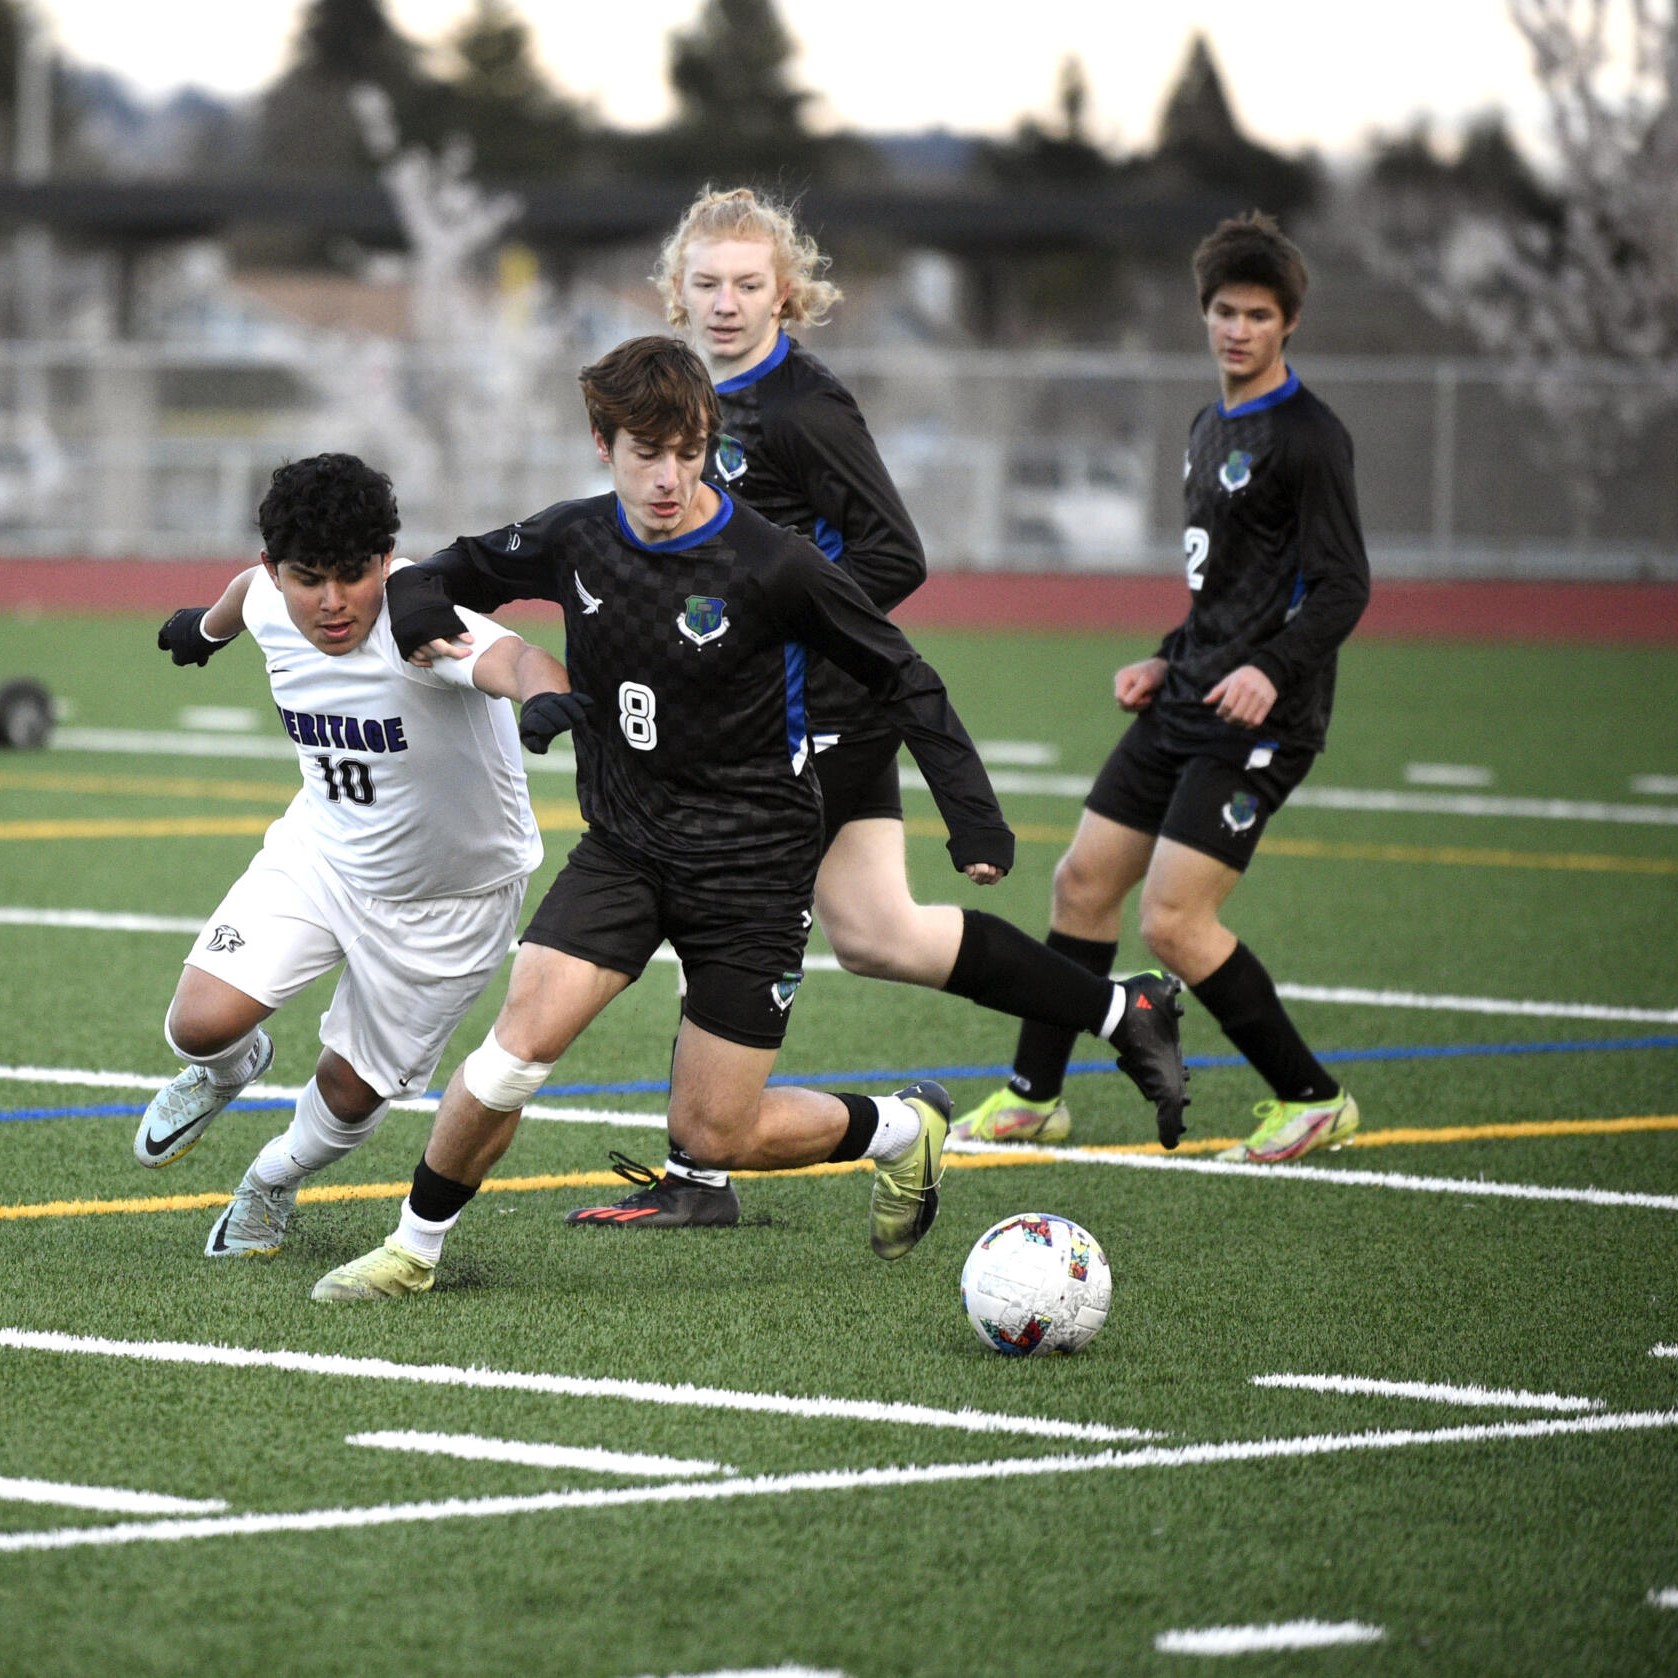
{"x":666,"y":1202}
{"x":1150,"y":1053}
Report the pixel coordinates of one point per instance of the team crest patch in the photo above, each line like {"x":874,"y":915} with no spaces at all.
{"x":730,"y":458}
{"x":785,"y":989}
{"x":1236,"y":472}
{"x":704,"y":620}
{"x":227,"y":939}
{"x":1240,"y":812}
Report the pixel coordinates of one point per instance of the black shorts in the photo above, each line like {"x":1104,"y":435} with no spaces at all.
{"x":1191,"y":794}
{"x":859,"y":780}
{"x":743,"y":957}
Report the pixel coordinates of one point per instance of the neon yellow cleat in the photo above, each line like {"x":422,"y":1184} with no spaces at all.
{"x":1005,"y":1117}
{"x":1290,"y":1129}
{"x":905,"y":1197}
{"x":388,"y":1272}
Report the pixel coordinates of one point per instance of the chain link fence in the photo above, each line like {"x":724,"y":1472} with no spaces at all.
{"x":1009,"y":461}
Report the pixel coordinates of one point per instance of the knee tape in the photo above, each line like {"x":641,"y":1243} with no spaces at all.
{"x":499,"y":1080}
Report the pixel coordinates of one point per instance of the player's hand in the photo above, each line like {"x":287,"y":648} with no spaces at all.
{"x":544,"y":715}
{"x":984,"y":873}
{"x":183,"y":639}
{"x":1244,"y":696}
{"x":422,"y":617}
{"x":1134,"y":686}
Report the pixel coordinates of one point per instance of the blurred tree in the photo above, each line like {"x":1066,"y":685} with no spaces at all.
{"x":729,"y":73}
{"x":1202,"y":145}
{"x":1567,"y":277}
{"x":499,"y":97}
{"x":306,"y":125}
{"x":1072,"y":95}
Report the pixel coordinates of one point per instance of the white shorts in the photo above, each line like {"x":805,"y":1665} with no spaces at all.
{"x":411,"y":970}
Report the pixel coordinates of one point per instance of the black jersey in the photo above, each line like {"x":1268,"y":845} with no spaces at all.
{"x":696,"y":753}
{"x":796,"y":447}
{"x":1276,"y":567}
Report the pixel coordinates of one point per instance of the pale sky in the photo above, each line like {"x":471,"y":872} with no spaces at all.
{"x":1325,"y":73}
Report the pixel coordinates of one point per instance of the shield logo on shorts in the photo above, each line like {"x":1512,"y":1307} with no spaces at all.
{"x":227,"y":939}
{"x":704,"y":620}
{"x":1240,"y":812}
{"x":785,"y":989}
{"x":730,"y":458}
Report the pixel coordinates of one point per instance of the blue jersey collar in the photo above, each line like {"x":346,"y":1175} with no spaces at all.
{"x":677,"y":543}
{"x":1259,"y":403}
{"x":783,"y":346}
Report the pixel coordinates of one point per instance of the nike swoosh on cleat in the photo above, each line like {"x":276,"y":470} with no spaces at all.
{"x":156,"y":1148}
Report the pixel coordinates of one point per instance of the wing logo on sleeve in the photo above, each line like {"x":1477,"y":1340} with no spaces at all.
{"x":705,"y":619}
{"x":591,"y":602}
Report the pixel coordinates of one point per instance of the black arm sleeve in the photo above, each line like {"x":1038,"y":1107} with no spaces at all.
{"x":1333,"y":567}
{"x":848,"y":487}
{"x":828,"y":611}
{"x":517,"y":562}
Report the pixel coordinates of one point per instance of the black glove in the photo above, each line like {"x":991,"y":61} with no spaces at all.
{"x":184,"y":641}
{"x":544,"y":715}
{"x":419,"y":610}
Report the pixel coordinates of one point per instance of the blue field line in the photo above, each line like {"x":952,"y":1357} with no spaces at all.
{"x":1195,"y":1063}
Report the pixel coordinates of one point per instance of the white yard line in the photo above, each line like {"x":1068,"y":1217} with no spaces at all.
{"x":826,"y":1480}
{"x":472,"y":1447}
{"x":111,"y":1500}
{"x":1248,"y":1640}
{"x":97,"y":920}
{"x":131,"y":741}
{"x":1474,"y":1187}
{"x":569,"y":1386}
{"x":1432,"y":1391}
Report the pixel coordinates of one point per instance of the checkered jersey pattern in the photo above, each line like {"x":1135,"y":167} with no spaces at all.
{"x":796,"y":447}
{"x":1276,"y":566}
{"x":695,"y":754}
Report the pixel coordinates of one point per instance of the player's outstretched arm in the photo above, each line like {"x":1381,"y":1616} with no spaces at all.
{"x":194,"y":634}
{"x":511,"y":668}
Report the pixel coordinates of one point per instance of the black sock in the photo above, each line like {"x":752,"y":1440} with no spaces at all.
{"x":1044,"y":1049}
{"x":1242,"y":999}
{"x":864,"y":1121}
{"x":1000,"y":967}
{"x":434,"y":1197}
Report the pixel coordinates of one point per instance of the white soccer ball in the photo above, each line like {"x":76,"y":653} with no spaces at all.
{"x":1036,"y":1284}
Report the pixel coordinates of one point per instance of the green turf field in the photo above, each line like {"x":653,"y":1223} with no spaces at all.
{"x":1408,"y":1408}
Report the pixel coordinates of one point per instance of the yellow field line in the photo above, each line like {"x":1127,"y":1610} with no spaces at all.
{"x":327,"y":1192}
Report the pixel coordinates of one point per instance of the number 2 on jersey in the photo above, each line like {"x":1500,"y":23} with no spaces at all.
{"x":1196,"y":545}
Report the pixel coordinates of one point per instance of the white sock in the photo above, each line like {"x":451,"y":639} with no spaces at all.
{"x":316,"y":1139}
{"x":1115,"y":1012}
{"x":692,"y":1173}
{"x":233,"y":1068}
{"x":895,"y":1134}
{"x":420,"y":1236}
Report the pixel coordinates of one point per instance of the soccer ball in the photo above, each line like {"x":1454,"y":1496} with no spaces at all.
{"x":1036,"y":1284}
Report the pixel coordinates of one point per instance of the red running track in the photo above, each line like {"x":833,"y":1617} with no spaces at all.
{"x":1497,"y":611}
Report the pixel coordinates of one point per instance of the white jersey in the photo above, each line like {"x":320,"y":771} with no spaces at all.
{"x":413,"y":779}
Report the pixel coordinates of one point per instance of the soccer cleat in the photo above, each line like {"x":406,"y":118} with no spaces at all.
{"x":1150,"y":1053}
{"x":1288,"y":1129}
{"x":905,"y":1197}
{"x":666,"y":1202}
{"x":1004,"y":1116}
{"x":388,"y":1272}
{"x":181,"y":1111}
{"x":252,"y":1224}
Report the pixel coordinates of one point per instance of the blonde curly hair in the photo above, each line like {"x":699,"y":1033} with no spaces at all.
{"x":741,"y":214}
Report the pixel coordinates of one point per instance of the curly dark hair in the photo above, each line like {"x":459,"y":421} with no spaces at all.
{"x":330,"y":511}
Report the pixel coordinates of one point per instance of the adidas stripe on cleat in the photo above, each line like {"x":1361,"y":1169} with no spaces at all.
{"x":667,"y":1202}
